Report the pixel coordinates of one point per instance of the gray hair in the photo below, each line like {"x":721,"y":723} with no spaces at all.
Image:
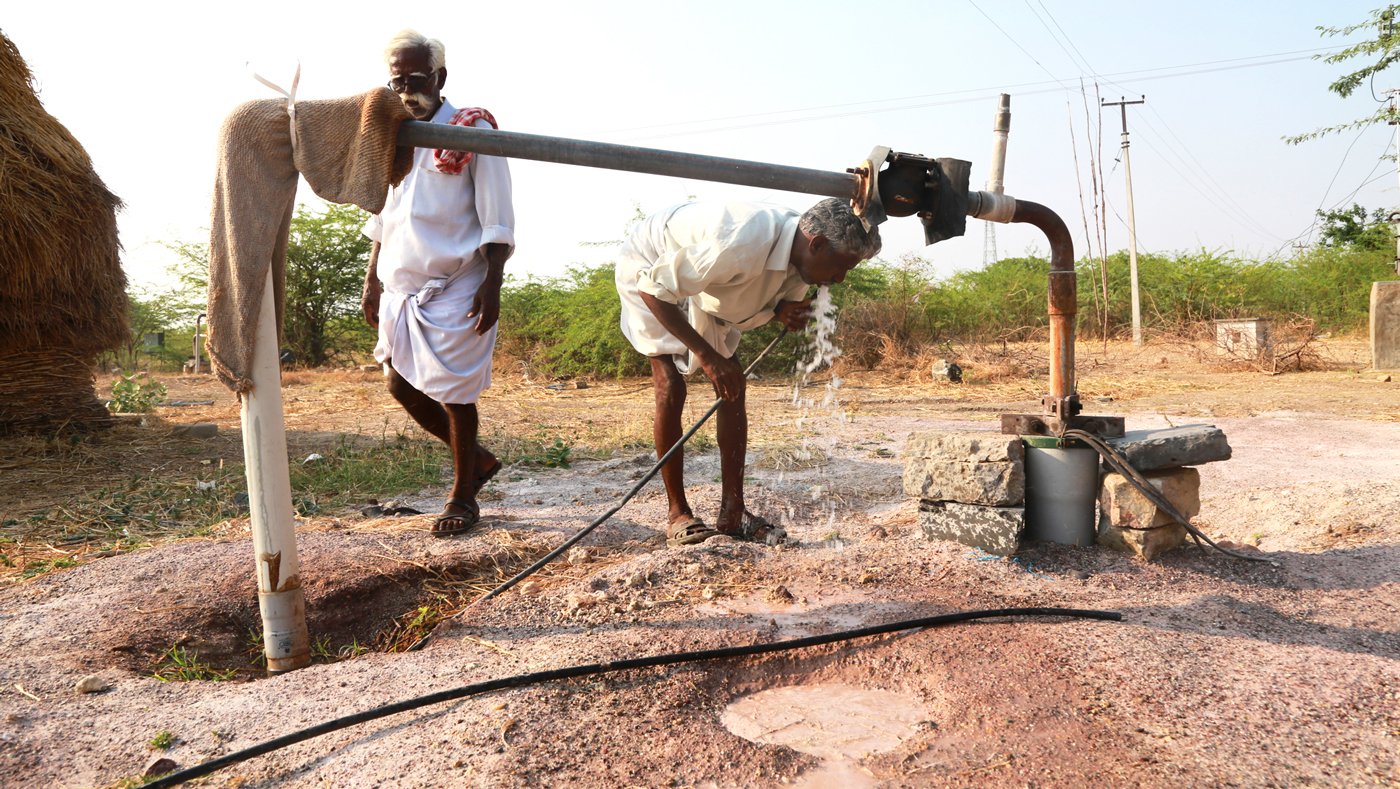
{"x":412,"y":39}
{"x":834,"y":220}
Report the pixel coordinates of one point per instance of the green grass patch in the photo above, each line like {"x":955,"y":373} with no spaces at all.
{"x":181,"y":665}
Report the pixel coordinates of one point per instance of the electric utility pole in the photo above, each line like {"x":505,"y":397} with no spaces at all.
{"x":1395,"y":215}
{"x":1132,"y":221}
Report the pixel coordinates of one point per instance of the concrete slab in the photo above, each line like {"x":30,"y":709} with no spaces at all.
{"x":1173,"y":447}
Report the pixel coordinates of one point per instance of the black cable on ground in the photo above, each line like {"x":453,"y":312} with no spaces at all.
{"x":592,"y":669}
{"x":1120,"y":464}
{"x":601,"y":519}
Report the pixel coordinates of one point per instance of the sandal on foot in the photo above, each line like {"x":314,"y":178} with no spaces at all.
{"x":688,"y":532}
{"x":486,"y":476}
{"x":465,"y":521}
{"x":756,"y":528}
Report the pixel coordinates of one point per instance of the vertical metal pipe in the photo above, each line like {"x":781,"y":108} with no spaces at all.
{"x":280,"y":597}
{"x":1062,"y":300}
{"x":197,"y":319}
{"x":1001,"y":128}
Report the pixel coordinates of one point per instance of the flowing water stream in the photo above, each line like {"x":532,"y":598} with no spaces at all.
{"x":818,"y":420}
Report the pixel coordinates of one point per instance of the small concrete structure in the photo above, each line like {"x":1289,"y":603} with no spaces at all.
{"x":1385,"y":325}
{"x":1243,"y":338}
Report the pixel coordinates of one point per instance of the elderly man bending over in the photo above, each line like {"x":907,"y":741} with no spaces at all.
{"x":691,"y":280}
{"x":440,"y":247}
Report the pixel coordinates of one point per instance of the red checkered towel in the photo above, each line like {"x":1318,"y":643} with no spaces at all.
{"x":454,"y":161}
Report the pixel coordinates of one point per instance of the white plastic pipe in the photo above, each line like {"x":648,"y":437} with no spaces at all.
{"x":280,"y":597}
{"x":1001,"y":128}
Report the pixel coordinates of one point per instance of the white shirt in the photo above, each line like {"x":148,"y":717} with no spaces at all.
{"x":435,"y":225}
{"x":732,"y":258}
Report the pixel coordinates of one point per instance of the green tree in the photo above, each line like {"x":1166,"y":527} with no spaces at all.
{"x":150,"y":311}
{"x":1380,"y":52}
{"x":326,"y":259}
{"x":1351,"y":227}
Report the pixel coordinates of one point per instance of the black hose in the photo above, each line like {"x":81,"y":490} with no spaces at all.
{"x":1120,"y":464}
{"x":601,"y":519}
{"x":592,"y":669}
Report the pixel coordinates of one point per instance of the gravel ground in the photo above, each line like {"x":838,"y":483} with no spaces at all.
{"x":1221,"y":672}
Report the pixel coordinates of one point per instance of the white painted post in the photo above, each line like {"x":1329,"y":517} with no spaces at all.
{"x":280,"y":597}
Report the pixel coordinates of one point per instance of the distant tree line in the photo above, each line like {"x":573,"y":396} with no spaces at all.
{"x":568,"y":325}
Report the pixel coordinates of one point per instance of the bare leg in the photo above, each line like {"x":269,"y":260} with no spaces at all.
{"x":666,"y":431}
{"x":733,"y":436}
{"x":462,"y":426}
{"x":432,"y":417}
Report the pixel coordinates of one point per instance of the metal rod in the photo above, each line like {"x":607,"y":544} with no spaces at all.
{"x":561,"y":150}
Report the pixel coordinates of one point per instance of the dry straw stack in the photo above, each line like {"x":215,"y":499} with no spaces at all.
{"x":62,"y":289}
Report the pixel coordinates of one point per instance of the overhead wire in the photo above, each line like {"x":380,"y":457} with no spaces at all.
{"x":1313,"y":225}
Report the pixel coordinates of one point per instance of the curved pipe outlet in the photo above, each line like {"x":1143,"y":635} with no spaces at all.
{"x":1062,"y":402}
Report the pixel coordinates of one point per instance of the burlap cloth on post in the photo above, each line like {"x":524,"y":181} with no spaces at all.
{"x":345,"y":149}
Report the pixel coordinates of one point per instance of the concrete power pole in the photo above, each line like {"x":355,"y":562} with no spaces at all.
{"x":1395,"y":215}
{"x":996,"y":183}
{"x":1132,"y":220}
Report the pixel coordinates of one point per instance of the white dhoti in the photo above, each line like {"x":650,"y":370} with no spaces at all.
{"x":429,"y":340}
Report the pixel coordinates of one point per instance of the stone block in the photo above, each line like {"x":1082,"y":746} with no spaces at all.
{"x":197,"y":430}
{"x":991,"y":484}
{"x":996,"y":530}
{"x":1172,"y":447}
{"x":1122,"y":505}
{"x":965,"y":447}
{"x":970,"y":467}
{"x":1385,"y":325}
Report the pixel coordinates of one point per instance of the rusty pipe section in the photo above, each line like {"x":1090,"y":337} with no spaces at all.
{"x":1062,"y":402}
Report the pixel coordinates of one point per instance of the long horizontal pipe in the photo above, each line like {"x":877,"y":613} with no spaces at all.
{"x":584,"y":153}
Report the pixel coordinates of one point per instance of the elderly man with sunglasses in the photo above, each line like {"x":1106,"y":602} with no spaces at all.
{"x":433,"y":287}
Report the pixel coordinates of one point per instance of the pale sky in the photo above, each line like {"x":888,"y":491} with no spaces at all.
{"x":144,"y":86}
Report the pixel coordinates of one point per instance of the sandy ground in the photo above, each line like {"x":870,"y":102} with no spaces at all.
{"x":1221,"y":673}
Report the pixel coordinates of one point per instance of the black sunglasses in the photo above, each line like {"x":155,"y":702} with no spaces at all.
{"x":413,"y":83}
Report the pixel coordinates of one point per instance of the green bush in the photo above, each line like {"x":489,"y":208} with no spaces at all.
{"x":132,"y":397}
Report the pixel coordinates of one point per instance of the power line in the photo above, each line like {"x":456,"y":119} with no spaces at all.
{"x":1082,"y":65}
{"x":970,"y":95}
{"x":1288,"y":57}
{"x":1082,"y":59}
{"x":1311,"y":226}
{"x":1017,"y":43}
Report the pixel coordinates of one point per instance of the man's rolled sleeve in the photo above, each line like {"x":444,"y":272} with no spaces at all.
{"x":494,"y":206}
{"x":374,"y":228}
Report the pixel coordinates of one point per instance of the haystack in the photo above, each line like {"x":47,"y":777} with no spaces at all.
{"x":62,"y":289}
